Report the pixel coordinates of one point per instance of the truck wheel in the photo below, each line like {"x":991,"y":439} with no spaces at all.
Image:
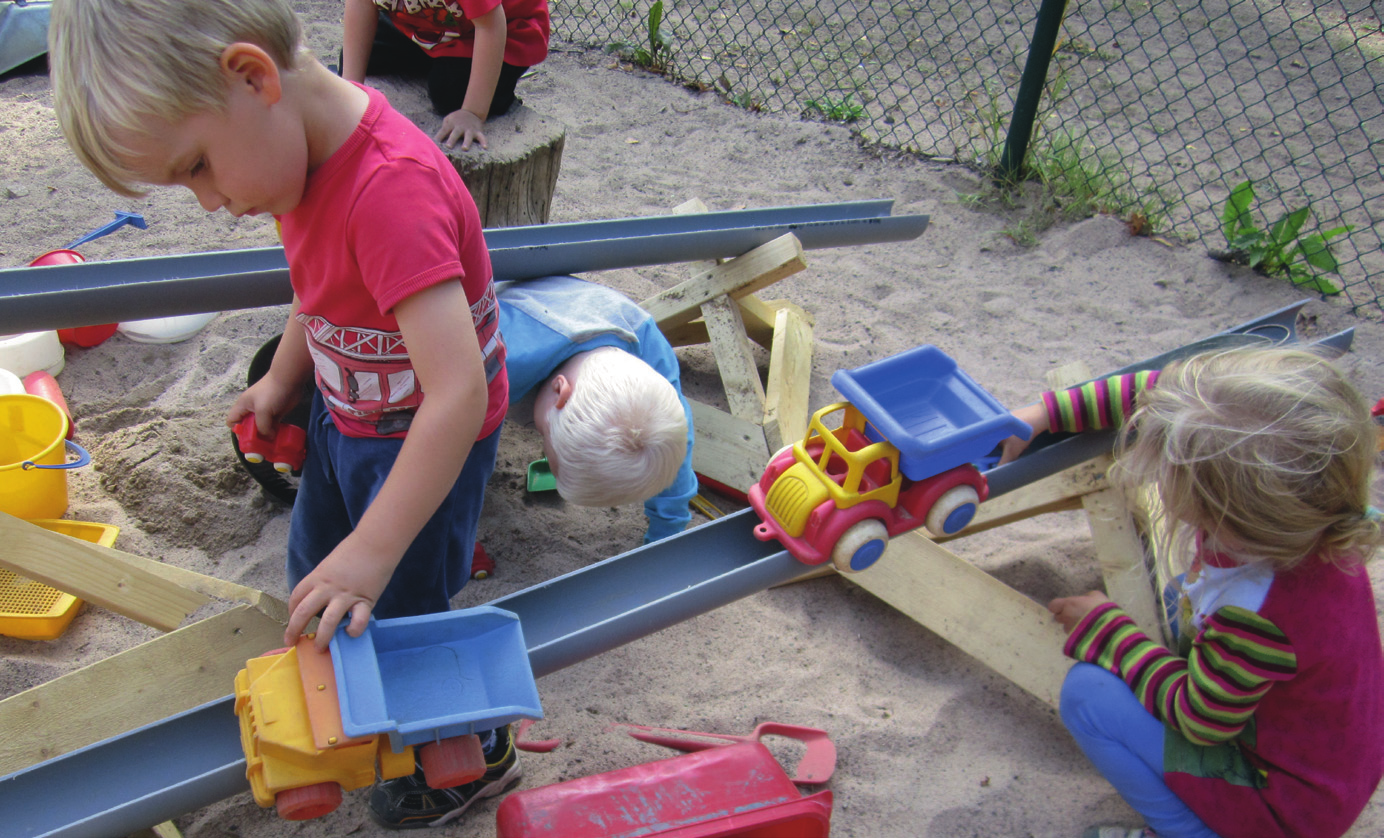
{"x":452,"y":762}
{"x":308,"y":802}
{"x":860,"y":546}
{"x":953,"y":511}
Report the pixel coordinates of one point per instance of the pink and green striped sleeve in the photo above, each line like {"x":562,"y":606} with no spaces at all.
{"x":1211,"y":695}
{"x":1097,"y":405}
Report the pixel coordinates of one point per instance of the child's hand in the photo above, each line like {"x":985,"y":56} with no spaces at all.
{"x":1036,"y":415}
{"x":1071,"y":609}
{"x":461,"y":125}
{"x":347,"y":583}
{"x":268,"y":400}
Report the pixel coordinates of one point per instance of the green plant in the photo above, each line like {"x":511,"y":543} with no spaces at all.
{"x":653,"y":54}
{"x":837,"y":110}
{"x":1280,"y":250}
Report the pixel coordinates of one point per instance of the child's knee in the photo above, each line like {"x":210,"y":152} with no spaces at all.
{"x":1080,"y":689}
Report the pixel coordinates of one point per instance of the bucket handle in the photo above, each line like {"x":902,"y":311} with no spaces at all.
{"x":83,"y":458}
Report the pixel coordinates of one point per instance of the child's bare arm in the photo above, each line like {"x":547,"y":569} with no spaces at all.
{"x":1036,"y":415}
{"x":464,"y":125}
{"x":437,"y":327}
{"x":279,"y":390}
{"x":358,"y":25}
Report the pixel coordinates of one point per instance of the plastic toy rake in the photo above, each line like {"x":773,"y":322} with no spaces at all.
{"x":816,"y":765}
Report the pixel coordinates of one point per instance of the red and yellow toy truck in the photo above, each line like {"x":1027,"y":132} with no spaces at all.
{"x":902,"y":457}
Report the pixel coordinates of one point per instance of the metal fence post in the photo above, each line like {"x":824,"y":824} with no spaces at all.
{"x":1040,"y":50}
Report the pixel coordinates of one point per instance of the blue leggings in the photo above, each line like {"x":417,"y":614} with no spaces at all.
{"x":1125,"y":743}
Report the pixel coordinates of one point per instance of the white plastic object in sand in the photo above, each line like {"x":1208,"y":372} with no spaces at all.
{"x":166,"y":329}
{"x":31,"y":352}
{"x":10,"y":384}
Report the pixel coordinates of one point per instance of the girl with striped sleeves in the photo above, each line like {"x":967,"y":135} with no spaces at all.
{"x":1270,"y":719}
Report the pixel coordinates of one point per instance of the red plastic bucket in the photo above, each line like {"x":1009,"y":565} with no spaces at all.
{"x":85,"y":336}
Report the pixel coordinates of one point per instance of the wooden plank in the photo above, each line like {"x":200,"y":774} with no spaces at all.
{"x":167,"y":675}
{"x":745,"y":274}
{"x":82,"y":569}
{"x":757,"y":315}
{"x":727,"y":449}
{"x":974,"y":611}
{"x":1055,"y":493}
{"x":739,"y":374}
{"x":1123,"y":559}
{"x":790,"y":378}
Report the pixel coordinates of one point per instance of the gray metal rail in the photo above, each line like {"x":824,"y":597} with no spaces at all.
{"x":193,"y":759}
{"x":92,"y":293}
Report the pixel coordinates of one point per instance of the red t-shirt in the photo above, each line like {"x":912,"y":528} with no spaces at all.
{"x":385,"y":217}
{"x":443,"y":27}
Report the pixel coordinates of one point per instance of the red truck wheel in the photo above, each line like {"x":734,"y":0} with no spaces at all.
{"x":860,"y":546}
{"x":308,"y":802}
{"x":452,"y":762}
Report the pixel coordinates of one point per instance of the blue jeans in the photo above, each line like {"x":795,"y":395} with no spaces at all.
{"x":340,"y":478}
{"x":1125,"y":743}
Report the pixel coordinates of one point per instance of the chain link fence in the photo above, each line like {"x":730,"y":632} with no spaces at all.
{"x":1169,"y":104}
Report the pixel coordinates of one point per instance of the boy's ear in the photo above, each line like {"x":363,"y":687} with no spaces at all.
{"x":562,"y":385}
{"x":249,"y":64}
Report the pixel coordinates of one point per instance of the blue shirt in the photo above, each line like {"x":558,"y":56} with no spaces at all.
{"x":546,"y":321}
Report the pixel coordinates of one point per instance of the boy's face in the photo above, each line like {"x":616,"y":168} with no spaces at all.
{"x":250,"y":159}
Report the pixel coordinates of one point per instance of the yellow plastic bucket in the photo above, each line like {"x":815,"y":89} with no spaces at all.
{"x":33,"y":457}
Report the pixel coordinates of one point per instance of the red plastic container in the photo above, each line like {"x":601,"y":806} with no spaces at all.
{"x":729,"y":790}
{"x":85,"y":336}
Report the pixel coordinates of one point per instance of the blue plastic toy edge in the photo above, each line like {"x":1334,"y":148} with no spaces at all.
{"x":964,"y":446}
{"x":368,"y":714}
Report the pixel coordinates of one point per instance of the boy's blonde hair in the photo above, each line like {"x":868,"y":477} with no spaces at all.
{"x":622,"y":436}
{"x":117,"y":65}
{"x":1268,"y":451}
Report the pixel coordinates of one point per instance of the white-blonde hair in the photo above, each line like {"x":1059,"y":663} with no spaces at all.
{"x":119,"y":65}
{"x":622,"y":435}
{"x":1270,"y":451}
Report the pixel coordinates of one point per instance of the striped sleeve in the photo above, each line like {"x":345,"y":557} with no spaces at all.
{"x":1211,"y":695}
{"x":1097,"y":405}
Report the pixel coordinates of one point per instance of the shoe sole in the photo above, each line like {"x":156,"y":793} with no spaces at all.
{"x":495,"y":789}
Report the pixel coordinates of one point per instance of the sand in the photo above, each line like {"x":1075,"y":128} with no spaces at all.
{"x":931,"y":743}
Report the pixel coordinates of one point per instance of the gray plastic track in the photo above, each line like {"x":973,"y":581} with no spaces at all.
{"x":92,"y":293}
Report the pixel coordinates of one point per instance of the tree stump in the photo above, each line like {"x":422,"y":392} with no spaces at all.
{"x":513,"y":180}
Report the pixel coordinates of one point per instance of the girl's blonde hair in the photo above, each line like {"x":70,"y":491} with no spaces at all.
{"x":1268,"y":451}
{"x":622,"y":436}
{"x":119,"y":65}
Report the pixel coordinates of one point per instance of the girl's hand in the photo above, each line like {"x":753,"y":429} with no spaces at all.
{"x":461,"y":125}
{"x":1071,"y":610}
{"x":1036,"y":415}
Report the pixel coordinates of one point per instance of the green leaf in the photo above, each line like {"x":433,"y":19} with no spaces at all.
{"x":655,"y":20}
{"x":1337,"y":231}
{"x":1285,"y":230}
{"x":1317,"y":253}
{"x":1236,"y":214}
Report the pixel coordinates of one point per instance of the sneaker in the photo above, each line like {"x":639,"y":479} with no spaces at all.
{"x":1118,"y":832}
{"x":409,"y":803}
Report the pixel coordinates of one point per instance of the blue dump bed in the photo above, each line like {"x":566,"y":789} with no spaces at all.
{"x":929,"y":409}
{"x":418,"y":679}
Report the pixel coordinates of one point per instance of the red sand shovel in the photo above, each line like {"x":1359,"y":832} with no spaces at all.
{"x":816,"y":765}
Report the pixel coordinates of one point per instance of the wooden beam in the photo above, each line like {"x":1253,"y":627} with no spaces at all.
{"x":757,"y":315}
{"x":85,"y":570}
{"x":167,"y":675}
{"x":790,"y":378}
{"x":1123,"y":559}
{"x":1055,"y":493}
{"x":739,"y":374}
{"x":974,"y":611}
{"x":745,"y":274}
{"x":727,"y":449}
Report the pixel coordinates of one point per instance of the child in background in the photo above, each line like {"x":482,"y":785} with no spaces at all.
{"x":398,"y":321}
{"x":615,"y":426}
{"x":1273,"y":722}
{"x":472,"y":53}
